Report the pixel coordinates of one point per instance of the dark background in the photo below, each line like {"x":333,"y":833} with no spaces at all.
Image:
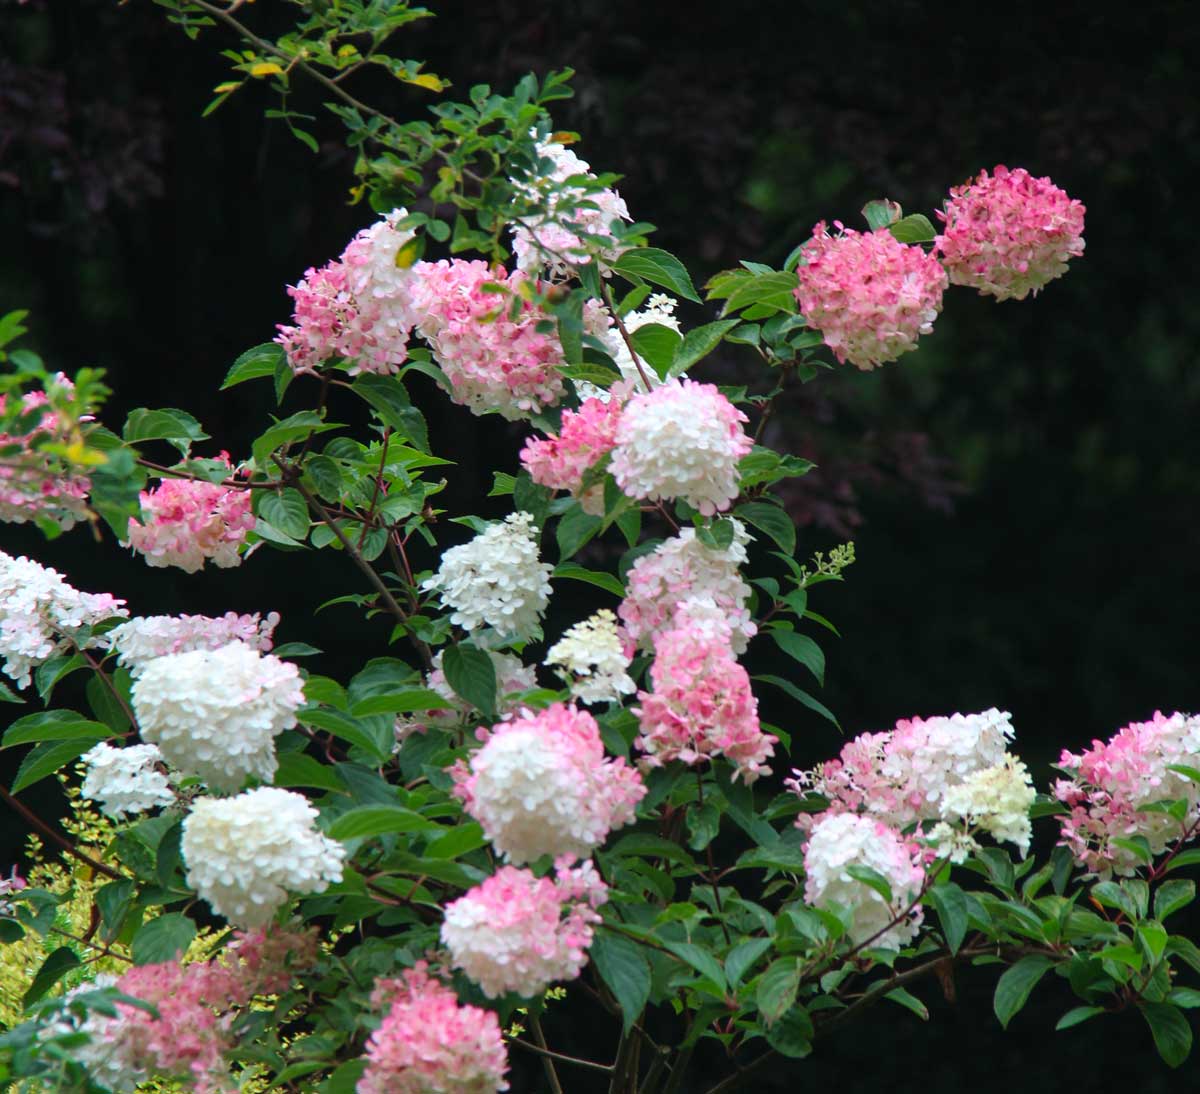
{"x":1022,"y":491}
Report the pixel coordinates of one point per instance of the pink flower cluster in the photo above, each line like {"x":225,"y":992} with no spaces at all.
{"x":1114,"y":782}
{"x":516,"y":932}
{"x":701,"y":704}
{"x":542,"y":785}
{"x":187,"y":522}
{"x":428,"y":1043}
{"x":869,"y":295}
{"x":144,"y":638}
{"x":1009,"y":234}
{"x":493,"y":362}
{"x":584,"y":438}
{"x":31,"y":483}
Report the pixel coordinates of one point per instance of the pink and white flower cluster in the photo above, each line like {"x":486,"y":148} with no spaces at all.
{"x":357,"y":307}
{"x":186,"y":522}
{"x":1113,"y":782}
{"x":492,"y":360}
{"x":146,"y":637}
{"x":516,"y":932}
{"x":429,"y":1043}
{"x":869,"y":295}
{"x":542,"y":785}
{"x":1009,"y":234}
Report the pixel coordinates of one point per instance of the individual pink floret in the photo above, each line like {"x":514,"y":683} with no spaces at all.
{"x":429,"y":1043}
{"x":1009,"y":234}
{"x":869,"y":295}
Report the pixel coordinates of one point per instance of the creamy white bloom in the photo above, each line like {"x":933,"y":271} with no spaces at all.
{"x":658,"y":310}
{"x":144,"y":638}
{"x":215,"y":713}
{"x":496,"y":580}
{"x":591,"y":661}
{"x":376,"y":271}
{"x":996,"y":799}
{"x":107,"y":1055}
{"x":125,"y":780}
{"x":245,"y":854}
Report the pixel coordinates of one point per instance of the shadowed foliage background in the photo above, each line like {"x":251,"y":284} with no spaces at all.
{"x":1022,"y":491}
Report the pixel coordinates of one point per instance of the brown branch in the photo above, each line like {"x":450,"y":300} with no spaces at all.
{"x":33,"y":819}
{"x":591,"y":1065}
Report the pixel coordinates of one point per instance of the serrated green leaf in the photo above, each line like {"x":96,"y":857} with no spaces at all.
{"x":775,"y":290}
{"x":388,"y":398}
{"x":698,"y":343}
{"x":800,"y":696}
{"x":401,"y":702}
{"x":53,"y":969}
{"x":1173,"y":895}
{"x":376,"y":820}
{"x":299,"y":769}
{"x":658,"y":267}
{"x":572,"y":571}
{"x":176,"y":426}
{"x":792,"y":1035}
{"x":623,"y":967}
{"x":472,"y":675}
{"x":777,"y":987}
{"x":914,"y":228}
{"x":656,"y":345}
{"x":255,"y":362}
{"x":163,"y":938}
{"x":1171,"y":1030}
{"x":700,"y":960}
{"x":574,"y":529}
{"x":46,"y":759}
{"x":803,"y":649}
{"x":772,"y":520}
{"x":1076,"y":1015}
{"x":287,"y":511}
{"x":1013,"y":988}
{"x":910,"y":1002}
{"x":54,"y":725}
{"x":951,"y":905}
{"x":291,"y":429}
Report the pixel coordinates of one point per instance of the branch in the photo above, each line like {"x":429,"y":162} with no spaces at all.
{"x":546,"y":1053}
{"x":33,"y":819}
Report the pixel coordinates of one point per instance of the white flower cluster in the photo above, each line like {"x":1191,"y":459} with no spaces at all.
{"x":244,"y":854}
{"x":376,"y":269}
{"x":591,"y":661}
{"x":125,"y":780}
{"x":659,"y":310}
{"x":996,"y":799}
{"x":844,"y":840}
{"x":106,"y":1055}
{"x":144,"y":638}
{"x":496,"y":580}
{"x":41,"y":615}
{"x":214,"y":713}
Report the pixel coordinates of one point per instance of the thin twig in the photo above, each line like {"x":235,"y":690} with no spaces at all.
{"x":32,"y":818}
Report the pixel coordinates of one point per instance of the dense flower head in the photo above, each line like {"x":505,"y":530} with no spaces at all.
{"x":518,"y":932}
{"x":996,"y":799}
{"x":869,"y":295}
{"x":552,"y":241}
{"x":497,"y":579}
{"x":215,"y":713}
{"x":1113,"y":782}
{"x":493,"y":361}
{"x":701,"y":704}
{"x":681,"y":440}
{"x":126,"y":780}
{"x":376,"y":271}
{"x":41,"y":616}
{"x":34,"y":484}
{"x":902,"y":775}
{"x":1009,"y":234}
{"x":146,"y":637}
{"x":682,"y":569}
{"x":244,"y":854}
{"x":187,"y":522}
{"x":842,"y":840}
{"x":542,"y":785}
{"x":591,"y":659}
{"x":429,"y":1043}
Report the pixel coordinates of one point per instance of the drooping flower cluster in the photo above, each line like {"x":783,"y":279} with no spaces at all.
{"x":681,"y":440}
{"x":520,"y":933}
{"x":496,"y":580}
{"x":542,"y":785}
{"x":701,"y":704}
{"x":585,"y":436}
{"x":869,"y":295}
{"x":492,"y":360}
{"x":244,"y":854}
{"x":215,"y":713}
{"x":144,"y":638}
{"x":41,"y":616}
{"x":591,"y":660}
{"x":429,"y":1043}
{"x":843,"y":840}
{"x":34,"y":484}
{"x":996,"y":799}
{"x":1114,"y":781}
{"x":186,"y":522}
{"x":357,"y":307}
{"x":1009,"y":234}
{"x":126,"y":780}
{"x":552,"y":240}
{"x":681,"y":570}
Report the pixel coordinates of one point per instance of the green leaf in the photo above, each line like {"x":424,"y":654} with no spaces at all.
{"x":1184,"y":858}
{"x":881,"y":213}
{"x":390,"y":401}
{"x":951,"y":905}
{"x":472,"y":675}
{"x":162,"y":939}
{"x":1185,"y":997}
{"x":57,"y":965}
{"x":286,"y":511}
{"x":623,"y":967}
{"x":255,"y":362}
{"x":772,"y":520}
{"x":1076,"y":1015}
{"x":777,"y":987}
{"x":457,"y":841}
{"x":574,"y":529}
{"x":293,"y":428}
{"x":1173,"y":895}
{"x":375,"y":820}
{"x":698,"y":343}
{"x":47,"y":675}
{"x":792,"y":1035}
{"x":54,"y":725}
{"x":775,"y":290}
{"x":7,"y":695}
{"x":656,"y":345}
{"x":1172,"y":1033}
{"x":909,"y":1001}
{"x":700,"y":960}
{"x":358,"y":732}
{"x":104,"y":703}
{"x":1111,"y":895}
{"x":300,"y":769}
{"x":176,"y":426}
{"x":572,"y":571}
{"x":345,"y":1079}
{"x":742,"y":957}
{"x":401,"y":702}
{"x":1013,"y":988}
{"x":914,"y":228}
{"x":804,"y":650}
{"x":873,"y":879}
{"x":1153,"y":938}
{"x":800,"y":696}
{"x":113,"y":900}
{"x":46,"y":759}
{"x":658,"y":267}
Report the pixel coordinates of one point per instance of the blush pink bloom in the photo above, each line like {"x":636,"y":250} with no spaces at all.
{"x":1009,"y":234}
{"x":869,"y":295}
{"x":186,"y":523}
{"x":429,"y":1043}
{"x":493,"y":361}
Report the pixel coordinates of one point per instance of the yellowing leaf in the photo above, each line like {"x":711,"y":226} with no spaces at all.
{"x":357,"y":193}
{"x":410,"y":252}
{"x":265,"y":68}
{"x":425,"y":80}
{"x":230,"y":85}
{"x":564,"y":137}
{"x":347,"y":50}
